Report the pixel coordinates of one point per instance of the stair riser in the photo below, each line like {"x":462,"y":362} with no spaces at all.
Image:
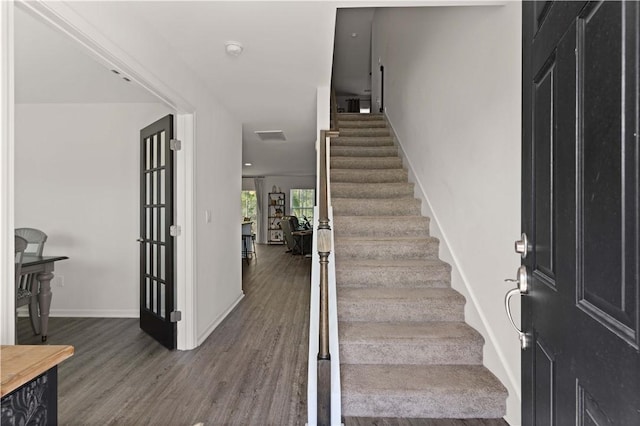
{"x":359,"y":190}
{"x":359,"y":226}
{"x":359,"y":117}
{"x":367,"y":176}
{"x":362,"y":142}
{"x":368,"y":124}
{"x":415,"y":353}
{"x":443,"y":309}
{"x":423,"y":406}
{"x":364,"y":132}
{"x":419,"y":249}
{"x":366,"y":163}
{"x":362,"y":151}
{"x":392,"y":278}
{"x":402,"y":207}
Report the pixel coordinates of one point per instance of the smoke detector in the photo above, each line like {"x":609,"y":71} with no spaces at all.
{"x":233,"y":48}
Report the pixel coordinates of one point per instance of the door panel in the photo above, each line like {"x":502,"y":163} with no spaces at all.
{"x":157,"y":285}
{"x":581,"y":210}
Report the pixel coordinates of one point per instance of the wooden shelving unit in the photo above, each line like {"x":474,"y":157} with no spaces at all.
{"x":276,"y":209}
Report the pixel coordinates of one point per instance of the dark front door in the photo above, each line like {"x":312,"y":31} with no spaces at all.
{"x":157,"y":285}
{"x":581,"y":213}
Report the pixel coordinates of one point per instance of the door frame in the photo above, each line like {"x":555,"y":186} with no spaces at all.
{"x":64,"y":19}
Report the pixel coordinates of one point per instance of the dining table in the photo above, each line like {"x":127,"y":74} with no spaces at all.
{"x":42,"y":267}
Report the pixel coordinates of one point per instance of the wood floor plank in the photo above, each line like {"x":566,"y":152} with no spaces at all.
{"x":250,"y":371}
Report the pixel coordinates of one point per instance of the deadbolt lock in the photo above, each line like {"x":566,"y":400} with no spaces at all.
{"x":522,"y":245}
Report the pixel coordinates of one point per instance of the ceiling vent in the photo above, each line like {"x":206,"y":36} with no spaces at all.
{"x":270,"y":135}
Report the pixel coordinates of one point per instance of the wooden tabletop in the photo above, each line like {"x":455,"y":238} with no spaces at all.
{"x":20,"y":364}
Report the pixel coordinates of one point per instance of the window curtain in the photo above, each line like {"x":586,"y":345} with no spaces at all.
{"x":259,"y":184}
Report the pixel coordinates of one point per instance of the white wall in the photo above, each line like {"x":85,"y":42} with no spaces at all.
{"x":77,"y":178}
{"x":452,"y":95}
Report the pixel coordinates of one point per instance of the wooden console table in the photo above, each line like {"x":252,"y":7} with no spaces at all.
{"x":29,"y":386}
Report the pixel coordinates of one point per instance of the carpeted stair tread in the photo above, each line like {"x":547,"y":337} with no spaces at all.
{"x":400,"y":304}
{"x":405,"y":349}
{"x":363,"y":151}
{"x":369,"y":176}
{"x":366,"y":163}
{"x":362,"y":141}
{"x":386,"y":248}
{"x":426,"y":391}
{"x":365,"y":132}
{"x":355,"y":124}
{"x":376,"y":207}
{"x":409,"y":343}
{"x":371,"y":190}
{"x":400,"y":273}
{"x":380,"y":226}
{"x":348,"y":116}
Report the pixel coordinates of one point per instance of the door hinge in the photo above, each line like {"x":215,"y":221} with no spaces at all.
{"x":175,"y":230}
{"x":175,"y":144}
{"x":175,"y":316}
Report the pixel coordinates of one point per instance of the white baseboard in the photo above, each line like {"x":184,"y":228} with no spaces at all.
{"x":217,"y":321}
{"x":87,"y":313}
{"x":447,"y":255}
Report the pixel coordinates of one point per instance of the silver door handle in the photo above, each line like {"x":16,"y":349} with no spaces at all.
{"x":524,"y":338}
{"x":522,"y":288}
{"x":140,"y":240}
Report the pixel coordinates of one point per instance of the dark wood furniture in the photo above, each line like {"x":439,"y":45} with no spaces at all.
{"x":42,"y":267}
{"x":29,"y":386}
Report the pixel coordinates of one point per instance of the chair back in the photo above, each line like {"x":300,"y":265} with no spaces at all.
{"x":295,"y":225}
{"x":35,"y":239}
{"x":285,"y":224}
{"x":20,"y":247}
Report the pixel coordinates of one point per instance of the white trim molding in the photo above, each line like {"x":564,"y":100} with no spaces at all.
{"x":448,"y":255}
{"x":186,"y":259}
{"x":207,"y":332}
{"x":7,"y":284}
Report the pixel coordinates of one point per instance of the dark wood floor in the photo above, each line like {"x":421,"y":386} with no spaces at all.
{"x":250,"y":371}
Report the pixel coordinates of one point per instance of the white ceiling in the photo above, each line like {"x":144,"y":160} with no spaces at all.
{"x":52,"y":68}
{"x":287,"y":55}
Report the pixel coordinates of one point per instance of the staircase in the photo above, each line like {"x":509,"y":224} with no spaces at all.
{"x":405,"y":349}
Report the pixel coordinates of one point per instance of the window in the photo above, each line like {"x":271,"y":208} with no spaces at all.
{"x":249,"y":205}
{"x":302,"y":202}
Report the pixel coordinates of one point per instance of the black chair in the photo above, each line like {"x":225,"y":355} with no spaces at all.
{"x":287,"y":224}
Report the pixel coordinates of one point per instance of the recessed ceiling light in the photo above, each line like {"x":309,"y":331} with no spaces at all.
{"x":248,"y":164}
{"x":233,"y":48}
{"x":354,"y":35}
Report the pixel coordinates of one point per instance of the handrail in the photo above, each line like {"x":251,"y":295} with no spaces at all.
{"x":324,"y":250}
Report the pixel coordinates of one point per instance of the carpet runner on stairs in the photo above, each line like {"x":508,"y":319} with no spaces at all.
{"x":405,"y":349}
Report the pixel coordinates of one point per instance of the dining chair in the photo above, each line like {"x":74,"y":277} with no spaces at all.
{"x":23,"y":296}
{"x":35,"y":239}
{"x":35,"y":246}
